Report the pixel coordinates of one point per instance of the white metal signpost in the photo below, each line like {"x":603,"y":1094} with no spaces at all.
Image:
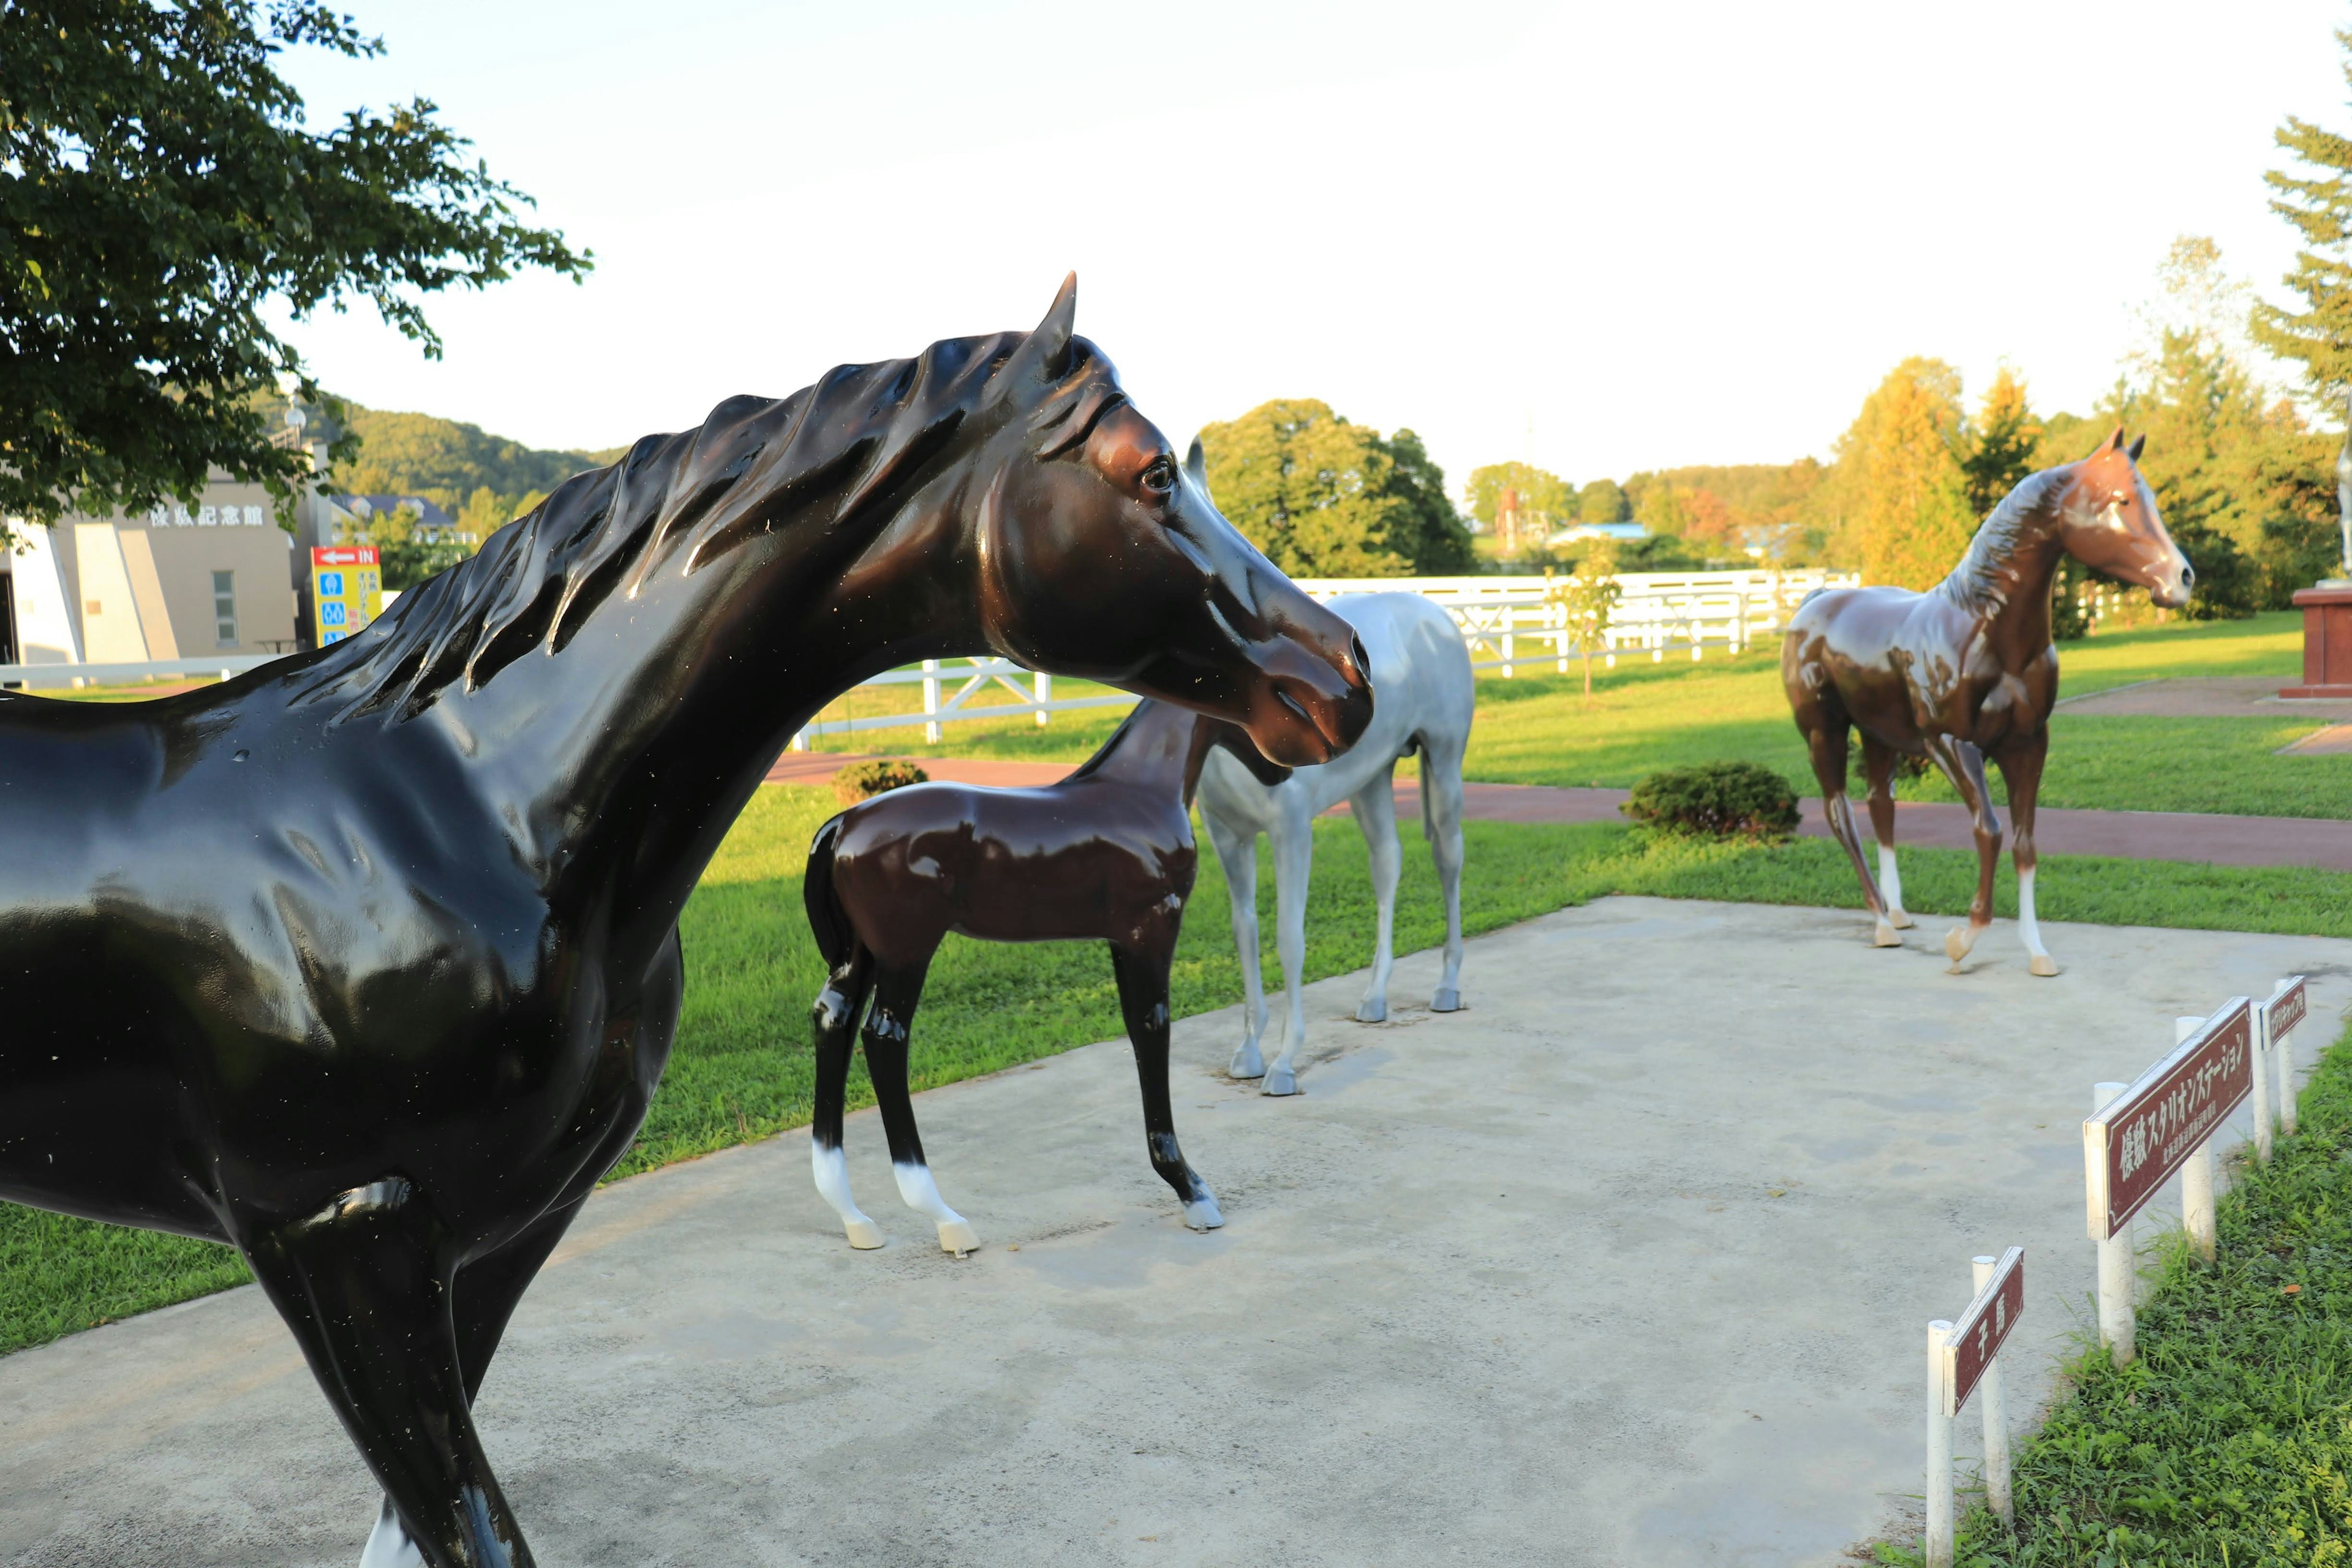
{"x":1960,"y":1362}
{"x":2279,"y":1014}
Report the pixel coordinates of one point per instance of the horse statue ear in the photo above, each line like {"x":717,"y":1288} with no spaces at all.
{"x":2138,"y":442}
{"x":2113,"y":443}
{"x":1196,"y":466}
{"x":1050,"y":343}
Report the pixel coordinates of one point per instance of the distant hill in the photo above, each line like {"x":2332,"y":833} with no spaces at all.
{"x":478,"y":477}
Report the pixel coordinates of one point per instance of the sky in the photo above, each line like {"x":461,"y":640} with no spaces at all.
{"x":1600,"y":238}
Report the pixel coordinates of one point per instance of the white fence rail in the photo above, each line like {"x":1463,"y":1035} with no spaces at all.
{"x":1506,"y":621}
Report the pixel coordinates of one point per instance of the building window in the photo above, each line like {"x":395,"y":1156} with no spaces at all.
{"x":224,"y":608}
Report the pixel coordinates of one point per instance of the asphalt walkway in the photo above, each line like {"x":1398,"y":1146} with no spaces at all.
{"x":1610,"y":1268}
{"x":2130,"y":835}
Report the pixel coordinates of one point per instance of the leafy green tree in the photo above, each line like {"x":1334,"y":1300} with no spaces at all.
{"x":2319,"y":205}
{"x":1603,"y":501}
{"x":1424,"y":527}
{"x":1312,"y":490}
{"x":1544,"y":496}
{"x":1590,"y":598}
{"x":162,"y":198}
{"x":405,"y":558}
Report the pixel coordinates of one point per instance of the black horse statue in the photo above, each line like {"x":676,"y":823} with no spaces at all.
{"x":1106,"y":854}
{"x":366,"y":963}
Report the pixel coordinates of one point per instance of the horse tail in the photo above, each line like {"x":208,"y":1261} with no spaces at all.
{"x":835,"y":938}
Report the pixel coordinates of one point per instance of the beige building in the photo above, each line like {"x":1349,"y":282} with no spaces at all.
{"x":173,"y":583}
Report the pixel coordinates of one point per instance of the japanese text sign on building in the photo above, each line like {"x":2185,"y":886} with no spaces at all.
{"x":1975,"y":1339}
{"x":346,"y":590}
{"x":2149,"y":1131}
{"x":2283,"y":1011}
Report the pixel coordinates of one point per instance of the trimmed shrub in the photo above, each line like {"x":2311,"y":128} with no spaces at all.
{"x":863,"y":780}
{"x":1716,"y":800}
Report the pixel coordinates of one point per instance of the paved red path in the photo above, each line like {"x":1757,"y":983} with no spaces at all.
{"x":2131,"y":835}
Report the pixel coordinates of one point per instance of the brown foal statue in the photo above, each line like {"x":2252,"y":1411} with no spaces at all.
{"x":1105,"y":853}
{"x":1967,"y":671}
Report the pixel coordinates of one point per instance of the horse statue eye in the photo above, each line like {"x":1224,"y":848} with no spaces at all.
{"x":1160,"y":476}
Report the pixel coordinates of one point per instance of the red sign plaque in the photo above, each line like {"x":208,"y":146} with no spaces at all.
{"x":2285,"y":1010}
{"x":2151,"y":1129}
{"x":1975,"y":1339}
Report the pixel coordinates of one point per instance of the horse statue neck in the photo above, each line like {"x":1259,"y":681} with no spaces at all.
{"x":621,"y":668}
{"x":2006,"y":575}
{"x":1159,"y":748}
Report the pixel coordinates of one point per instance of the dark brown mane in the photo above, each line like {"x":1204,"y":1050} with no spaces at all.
{"x":857,"y":440}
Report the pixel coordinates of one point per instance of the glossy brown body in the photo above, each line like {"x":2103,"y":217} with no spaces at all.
{"x":1967,"y":671}
{"x":1106,"y":853}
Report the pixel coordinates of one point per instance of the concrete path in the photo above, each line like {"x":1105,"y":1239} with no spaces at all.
{"x":1620,"y":1266}
{"x":2207,"y":697}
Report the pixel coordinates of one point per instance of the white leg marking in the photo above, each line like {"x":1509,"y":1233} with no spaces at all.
{"x":388,"y":1545}
{"x":922,"y":1194}
{"x":832,"y":1172}
{"x":2028,"y":930}
{"x":1890,"y":885}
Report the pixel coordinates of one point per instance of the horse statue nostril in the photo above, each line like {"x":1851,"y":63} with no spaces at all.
{"x":1362,"y":660}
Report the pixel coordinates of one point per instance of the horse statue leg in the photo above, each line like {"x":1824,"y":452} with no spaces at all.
{"x":488,"y":1288}
{"x":365,"y":1286}
{"x":1441,"y":823}
{"x":1964,"y":765}
{"x":1237,"y":853}
{"x":1375,"y":810}
{"x":1142,"y":974}
{"x":1825,"y":745}
{"x":1294,"y":859}
{"x":2020,"y":770}
{"x":897,"y":990}
{"x":835,"y":1019}
{"x":1878,"y":767}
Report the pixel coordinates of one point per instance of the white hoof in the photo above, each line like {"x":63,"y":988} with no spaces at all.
{"x":956,"y":1237}
{"x":388,"y":1545}
{"x":1281,"y":1081}
{"x":1370,"y":1011}
{"x":2043,"y":964}
{"x":1882,"y":935}
{"x":1246,"y":1062}
{"x":1899,"y":920}
{"x":1447,"y":1000}
{"x":1203,"y":1213}
{"x":1960,"y":941}
{"x":864,"y":1234}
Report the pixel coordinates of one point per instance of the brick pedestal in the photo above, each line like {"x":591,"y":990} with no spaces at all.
{"x":2326,"y":643}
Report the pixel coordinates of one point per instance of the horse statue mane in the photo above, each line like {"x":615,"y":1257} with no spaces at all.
{"x":861,"y":437}
{"x":1983,"y":577}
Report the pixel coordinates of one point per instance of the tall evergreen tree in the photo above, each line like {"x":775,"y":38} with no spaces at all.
{"x":2007,"y":434}
{"x":2319,"y":205}
{"x":1424,"y":529}
{"x":1898,"y":489}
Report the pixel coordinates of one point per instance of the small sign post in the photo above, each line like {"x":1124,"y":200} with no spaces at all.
{"x":2284,"y":1009}
{"x":1961,"y":1362}
{"x":346,"y":590}
{"x":2158,"y":1125}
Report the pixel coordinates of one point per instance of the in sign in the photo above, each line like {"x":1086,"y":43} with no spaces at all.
{"x":2285,"y":1010}
{"x":2151,"y":1129}
{"x":1975,"y":1339}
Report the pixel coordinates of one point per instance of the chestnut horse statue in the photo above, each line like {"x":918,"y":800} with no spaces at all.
{"x":366,"y":963}
{"x":1967,"y":671}
{"x":1106,"y":854}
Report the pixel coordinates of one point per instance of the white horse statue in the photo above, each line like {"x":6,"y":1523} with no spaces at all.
{"x":1422,"y":672}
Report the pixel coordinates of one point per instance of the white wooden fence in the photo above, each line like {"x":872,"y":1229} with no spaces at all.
{"x":1506,"y":621}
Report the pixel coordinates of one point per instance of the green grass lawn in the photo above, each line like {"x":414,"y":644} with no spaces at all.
{"x":1537,"y":728}
{"x":740,"y":1070}
{"x":2229,"y":1441}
